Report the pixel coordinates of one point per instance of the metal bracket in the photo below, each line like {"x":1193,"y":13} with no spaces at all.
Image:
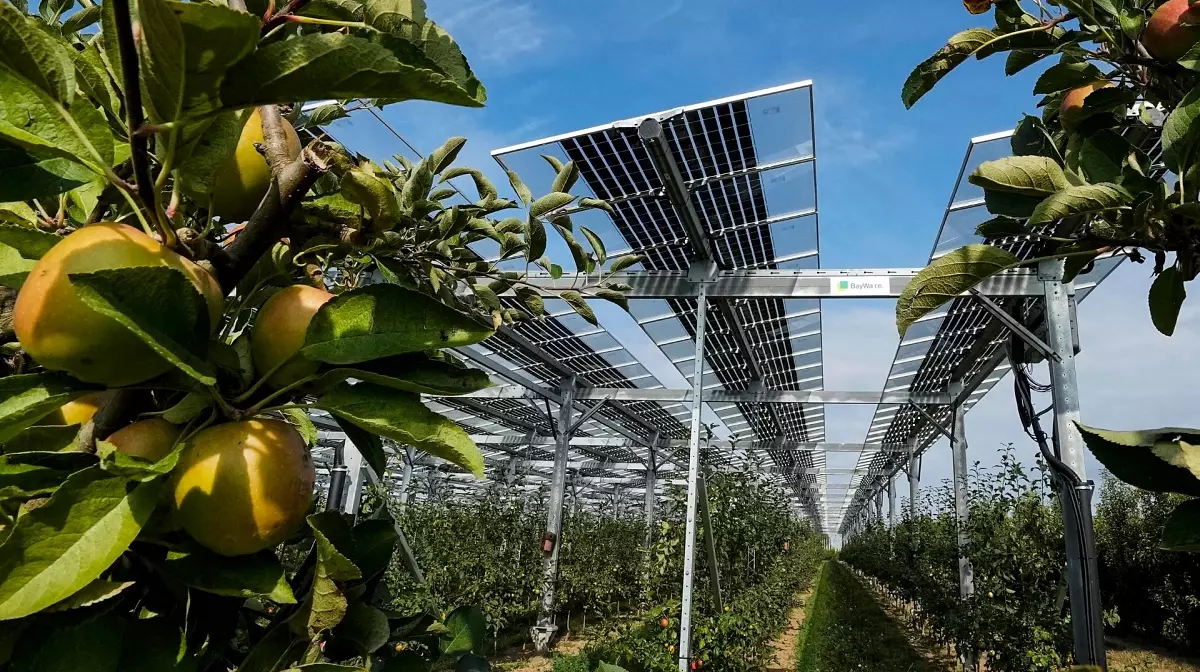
{"x":1014,"y":325}
{"x":702,"y":270}
{"x":585,"y":416}
{"x":930,"y":419}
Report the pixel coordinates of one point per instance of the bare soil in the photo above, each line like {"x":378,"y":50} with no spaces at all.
{"x":529,"y":660}
{"x":784,"y":658}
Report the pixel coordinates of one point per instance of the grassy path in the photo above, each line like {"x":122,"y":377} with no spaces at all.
{"x":846,"y":629}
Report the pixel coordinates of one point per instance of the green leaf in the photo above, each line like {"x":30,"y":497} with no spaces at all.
{"x":364,"y":628}
{"x":595,"y":242}
{"x":369,"y":445}
{"x":374,"y":543}
{"x":443,"y":157}
{"x":13,"y":267}
{"x":93,"y":645}
{"x":566,"y":178}
{"x":608,"y":667}
{"x":160,"y":306}
{"x":428,"y":46}
{"x":326,"y":667}
{"x":1026,"y":175}
{"x":535,"y":239}
{"x":34,"y":120}
{"x":385,"y":15}
{"x":23,"y":478}
{"x":1147,"y":459}
{"x":625,"y":261}
{"x":1019,"y":59}
{"x":325,"y":605}
{"x":326,"y":114}
{"x":613,"y":296}
{"x":531,"y":299}
{"x":256,"y":575}
{"x":383,"y":320}
{"x":1066,"y":75}
{"x":549,"y":202}
{"x":1008,"y":204}
{"x":484,"y":186}
{"x":1080,"y":200}
{"x":34,"y":55}
{"x":554,"y":162}
{"x":319,"y":66}
{"x":467,"y":628}
{"x":277,"y":650}
{"x":30,"y":242}
{"x":155,"y":645}
{"x":947,"y":277}
{"x":1182,"y":529}
{"x":188,"y":408}
{"x":16,"y":212}
{"x":57,"y":549}
{"x":297,"y":418}
{"x":518,"y":186}
{"x":1102,"y":156}
{"x":44,"y":438}
{"x":1180,"y":133}
{"x":208,"y":151}
{"x":414,"y":373}
{"x":93,"y":593}
{"x":1001,"y":227}
{"x":362,"y":186}
{"x":577,"y":303}
{"x":81,"y":19}
{"x":934,"y":68}
{"x":597,"y":204}
{"x":1166,"y":298}
{"x":27,"y":398}
{"x":401,"y":416}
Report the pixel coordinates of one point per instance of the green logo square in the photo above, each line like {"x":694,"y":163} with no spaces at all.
{"x":843,"y":284}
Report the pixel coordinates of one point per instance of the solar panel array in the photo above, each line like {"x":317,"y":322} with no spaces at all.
{"x":961,"y":340}
{"x":749,"y":170}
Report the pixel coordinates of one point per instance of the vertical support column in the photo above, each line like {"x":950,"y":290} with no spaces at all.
{"x":914,"y":479}
{"x":1083,"y":583}
{"x":649,"y":499}
{"x":406,"y":476}
{"x":710,"y":544}
{"x":354,"y":477}
{"x":891,"y":500}
{"x":879,"y":507}
{"x":962,"y":506}
{"x":689,"y":546}
{"x":545,"y":628}
{"x":337,"y":479}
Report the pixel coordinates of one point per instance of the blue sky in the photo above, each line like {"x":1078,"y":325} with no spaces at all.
{"x":884,"y":174}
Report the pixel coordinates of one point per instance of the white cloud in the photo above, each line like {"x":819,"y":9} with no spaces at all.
{"x":493,"y":32}
{"x":849,"y":132}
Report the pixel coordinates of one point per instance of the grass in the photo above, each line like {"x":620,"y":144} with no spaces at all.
{"x":847,"y":631}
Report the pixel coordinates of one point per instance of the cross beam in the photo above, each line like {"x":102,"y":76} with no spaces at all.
{"x":761,"y":396}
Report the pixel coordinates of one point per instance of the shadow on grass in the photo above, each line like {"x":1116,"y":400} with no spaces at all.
{"x":846,"y":629}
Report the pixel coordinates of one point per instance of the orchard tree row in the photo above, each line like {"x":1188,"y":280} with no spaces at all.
{"x":182,"y":279}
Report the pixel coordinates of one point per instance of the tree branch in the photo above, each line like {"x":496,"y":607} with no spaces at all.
{"x":290,"y":181}
{"x":280,"y":17}
{"x":139,"y":145}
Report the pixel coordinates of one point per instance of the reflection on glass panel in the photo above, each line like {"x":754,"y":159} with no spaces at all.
{"x":803,"y":324}
{"x":789,"y":190}
{"x":796,"y":306}
{"x":794,"y":236}
{"x":663,"y":330}
{"x":486,"y":248}
{"x":536,"y":172}
{"x":618,"y":357}
{"x":906,"y":367}
{"x":807,"y":360}
{"x":799,"y":264}
{"x":644,"y":309}
{"x":576,"y":324}
{"x":600,"y":341}
{"x":924,"y":328}
{"x":679,"y":350}
{"x":984,"y":151}
{"x":914,"y":349}
{"x":781,"y":125}
{"x":959,"y":228}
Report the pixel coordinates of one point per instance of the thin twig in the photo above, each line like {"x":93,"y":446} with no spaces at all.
{"x":139,"y":145}
{"x":292,"y":7}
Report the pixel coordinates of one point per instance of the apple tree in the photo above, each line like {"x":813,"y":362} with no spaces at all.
{"x":183,"y":278}
{"x":1111,"y":165}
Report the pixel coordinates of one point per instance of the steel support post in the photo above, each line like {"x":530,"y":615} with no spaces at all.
{"x":710,"y":544}
{"x":914,"y":480}
{"x":406,"y":476}
{"x":962,"y":511}
{"x":689,"y":546}
{"x":545,"y":628}
{"x":962,"y":506}
{"x":891,"y":501}
{"x":1082,"y":572}
{"x":336,"y":494}
{"x":649,"y":499}
{"x":354,"y":478}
